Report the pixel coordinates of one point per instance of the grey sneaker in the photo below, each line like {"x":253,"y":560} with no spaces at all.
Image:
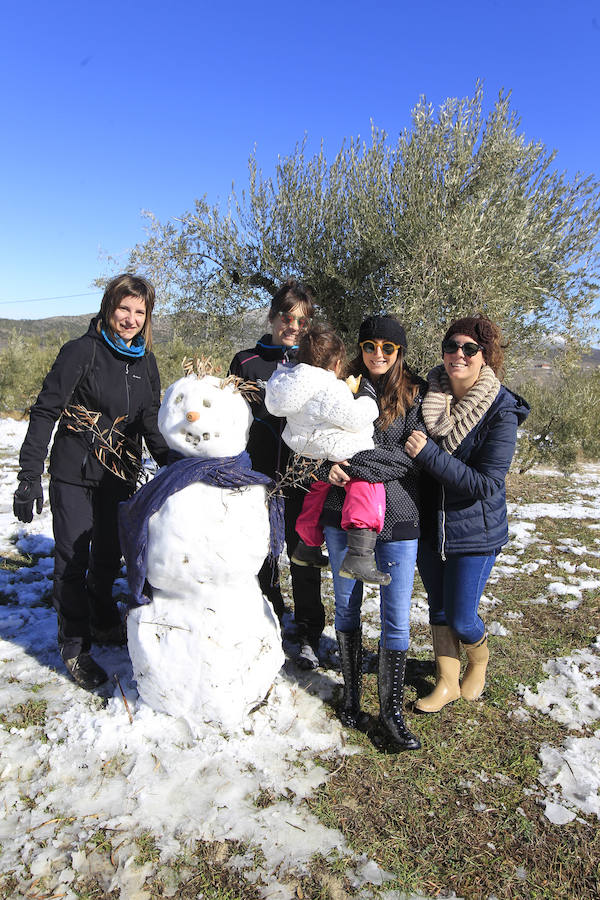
{"x":307,"y":658}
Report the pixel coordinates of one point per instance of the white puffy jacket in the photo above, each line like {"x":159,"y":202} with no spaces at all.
{"x":324,"y":420}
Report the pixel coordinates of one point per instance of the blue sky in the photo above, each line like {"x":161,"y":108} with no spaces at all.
{"x":110,"y":107}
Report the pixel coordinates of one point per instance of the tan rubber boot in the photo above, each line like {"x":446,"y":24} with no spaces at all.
{"x":447,"y":661}
{"x":473,"y":681}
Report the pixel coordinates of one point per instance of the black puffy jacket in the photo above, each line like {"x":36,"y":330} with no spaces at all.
{"x":89,"y":373}
{"x":266,"y":448}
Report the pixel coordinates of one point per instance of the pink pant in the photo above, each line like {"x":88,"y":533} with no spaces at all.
{"x":364,"y":507}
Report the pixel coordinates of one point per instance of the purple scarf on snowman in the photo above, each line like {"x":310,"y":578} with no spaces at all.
{"x":228,"y":472}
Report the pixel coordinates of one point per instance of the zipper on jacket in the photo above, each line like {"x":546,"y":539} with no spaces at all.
{"x":443,"y":523}
{"x":127,"y":386}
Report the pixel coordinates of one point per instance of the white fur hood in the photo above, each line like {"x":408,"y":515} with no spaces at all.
{"x":324,"y":420}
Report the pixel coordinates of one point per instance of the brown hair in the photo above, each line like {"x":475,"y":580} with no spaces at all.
{"x":293,"y":293}
{"x":128,"y":285}
{"x":484,"y":332}
{"x":321,"y":347}
{"x":396,"y":390}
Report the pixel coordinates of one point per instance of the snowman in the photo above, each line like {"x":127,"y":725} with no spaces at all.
{"x":207,"y":646}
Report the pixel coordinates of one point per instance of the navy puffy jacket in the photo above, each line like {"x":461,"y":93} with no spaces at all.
{"x":464,"y":502}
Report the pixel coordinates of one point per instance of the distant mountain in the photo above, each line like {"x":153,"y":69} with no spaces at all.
{"x":541,"y":366}
{"x":251,"y":326}
{"x":69,"y":327}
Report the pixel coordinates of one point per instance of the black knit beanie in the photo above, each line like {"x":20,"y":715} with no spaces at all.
{"x":382,"y":328}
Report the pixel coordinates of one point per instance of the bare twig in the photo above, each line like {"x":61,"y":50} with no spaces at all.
{"x":113,"y":450}
{"x":294,"y":826}
{"x":248,"y":389}
{"x":116,"y":677}
{"x":202,"y":366}
{"x":299,"y":473}
{"x":68,"y":819}
{"x":165,"y":624}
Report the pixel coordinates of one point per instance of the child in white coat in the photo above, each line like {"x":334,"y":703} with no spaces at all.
{"x":326,"y":421}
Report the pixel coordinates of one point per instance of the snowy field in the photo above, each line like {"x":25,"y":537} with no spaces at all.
{"x":107,"y":761}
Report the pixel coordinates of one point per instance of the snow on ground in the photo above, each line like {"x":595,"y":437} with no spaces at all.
{"x":570,"y":773}
{"x":107,"y":761}
{"x":102,"y":769}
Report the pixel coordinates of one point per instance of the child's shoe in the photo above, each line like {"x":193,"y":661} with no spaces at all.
{"x":304,"y":555}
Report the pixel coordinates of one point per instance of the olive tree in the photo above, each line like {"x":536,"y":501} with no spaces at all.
{"x":460,"y":214}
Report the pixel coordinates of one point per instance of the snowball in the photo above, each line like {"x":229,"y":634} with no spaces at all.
{"x":201,"y":417}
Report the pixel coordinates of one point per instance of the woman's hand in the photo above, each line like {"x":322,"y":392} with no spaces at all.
{"x":337,"y":475}
{"x":415,"y":443}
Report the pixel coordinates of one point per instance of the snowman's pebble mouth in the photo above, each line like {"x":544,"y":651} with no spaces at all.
{"x":195,"y":439}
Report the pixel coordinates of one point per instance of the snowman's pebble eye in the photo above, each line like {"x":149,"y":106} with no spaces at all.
{"x":206,"y":402}
{"x":178,"y":398}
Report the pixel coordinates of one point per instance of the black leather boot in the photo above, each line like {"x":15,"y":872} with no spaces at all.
{"x":350,"y":645}
{"x":359,"y":561}
{"x":392,"y":664}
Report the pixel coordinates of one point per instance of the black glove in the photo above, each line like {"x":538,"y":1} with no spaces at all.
{"x":26,"y":494}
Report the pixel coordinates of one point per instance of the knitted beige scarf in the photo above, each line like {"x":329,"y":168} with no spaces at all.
{"x":449,"y":419}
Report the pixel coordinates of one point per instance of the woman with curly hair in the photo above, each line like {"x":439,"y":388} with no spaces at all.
{"x":471,"y":421}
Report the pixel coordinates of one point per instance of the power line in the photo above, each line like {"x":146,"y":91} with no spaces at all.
{"x":44,"y":299}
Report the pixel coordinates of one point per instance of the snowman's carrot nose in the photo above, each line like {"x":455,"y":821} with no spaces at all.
{"x":193,"y":416}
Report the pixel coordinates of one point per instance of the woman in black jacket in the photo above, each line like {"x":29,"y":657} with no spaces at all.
{"x":380,"y":363}
{"x":290,"y":314}
{"x":472,"y":424}
{"x":111,"y":372}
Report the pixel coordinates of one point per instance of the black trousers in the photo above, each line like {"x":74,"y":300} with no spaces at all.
{"x":309,"y":612}
{"x":87,"y":558}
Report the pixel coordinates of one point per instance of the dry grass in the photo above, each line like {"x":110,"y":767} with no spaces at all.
{"x":464,"y":813}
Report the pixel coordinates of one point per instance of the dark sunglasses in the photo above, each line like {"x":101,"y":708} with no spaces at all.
{"x":388,"y":348}
{"x":468,"y":348}
{"x":289,"y":319}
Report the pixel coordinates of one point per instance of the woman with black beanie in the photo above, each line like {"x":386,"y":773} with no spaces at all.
{"x":385,"y":376}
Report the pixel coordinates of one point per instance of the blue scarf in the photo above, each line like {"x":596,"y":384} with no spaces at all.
{"x":138,"y":344}
{"x":228,"y":472}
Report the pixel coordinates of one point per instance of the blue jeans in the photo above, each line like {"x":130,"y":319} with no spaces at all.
{"x":396,"y":557}
{"x":454,"y":587}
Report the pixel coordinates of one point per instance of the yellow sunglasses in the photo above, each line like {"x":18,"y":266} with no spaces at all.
{"x":388,"y":348}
